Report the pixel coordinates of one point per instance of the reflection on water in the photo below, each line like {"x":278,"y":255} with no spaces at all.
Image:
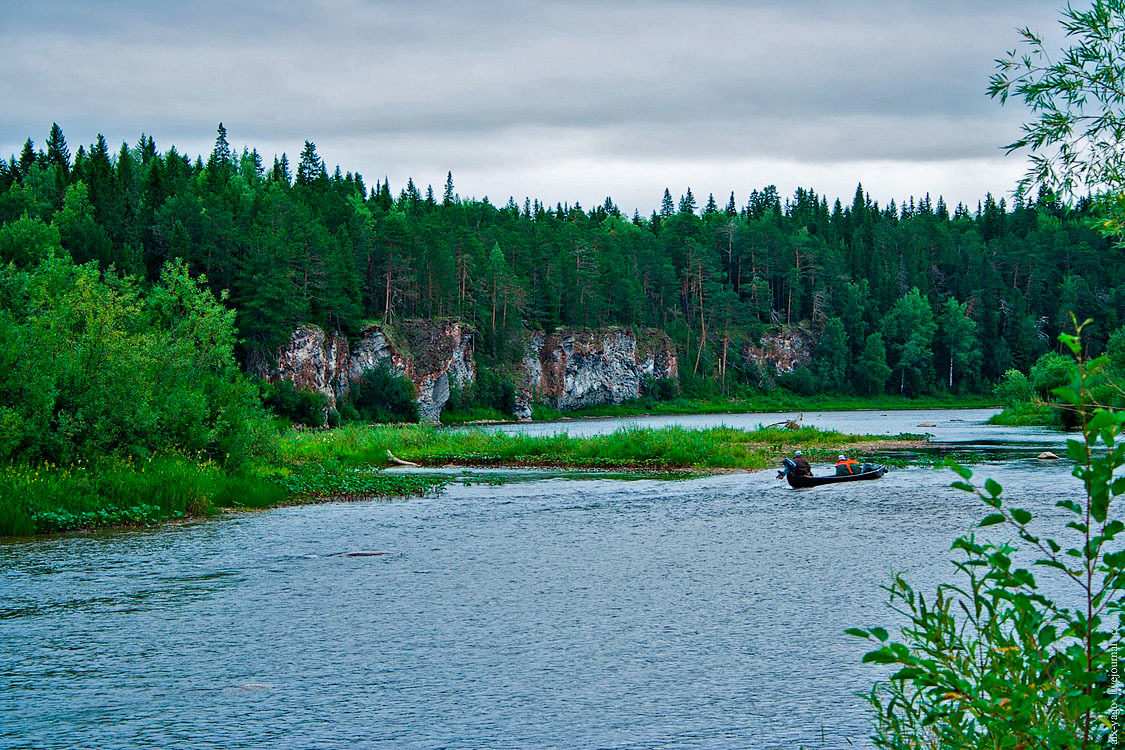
{"x":556,"y":613}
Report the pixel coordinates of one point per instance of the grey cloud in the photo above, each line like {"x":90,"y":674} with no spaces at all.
{"x":815,"y":81}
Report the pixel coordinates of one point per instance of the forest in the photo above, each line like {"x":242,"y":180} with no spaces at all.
{"x":909,"y":298}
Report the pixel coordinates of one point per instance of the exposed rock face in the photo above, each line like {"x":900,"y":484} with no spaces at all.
{"x":431,"y":353}
{"x":571,"y":369}
{"x":782,"y":349}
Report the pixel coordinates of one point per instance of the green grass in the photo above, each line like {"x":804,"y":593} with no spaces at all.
{"x":347,"y":463}
{"x":46,"y":498}
{"x":476,"y":414}
{"x":1028,"y":414}
{"x":776,"y":401}
{"x":669,"y":447}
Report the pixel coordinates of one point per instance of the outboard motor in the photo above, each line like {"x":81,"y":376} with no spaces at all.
{"x":787,"y":465}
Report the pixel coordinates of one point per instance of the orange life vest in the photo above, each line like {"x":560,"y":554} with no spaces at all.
{"x":847,"y":466}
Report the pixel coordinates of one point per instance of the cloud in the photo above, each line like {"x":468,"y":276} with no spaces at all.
{"x":529,"y":90}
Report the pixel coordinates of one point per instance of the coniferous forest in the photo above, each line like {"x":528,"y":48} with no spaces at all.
{"x":915,"y":297}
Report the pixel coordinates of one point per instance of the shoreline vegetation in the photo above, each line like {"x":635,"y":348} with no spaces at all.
{"x":348,"y":464}
{"x":767,"y":403}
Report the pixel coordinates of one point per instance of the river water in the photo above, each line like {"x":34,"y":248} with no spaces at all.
{"x":548,"y":613}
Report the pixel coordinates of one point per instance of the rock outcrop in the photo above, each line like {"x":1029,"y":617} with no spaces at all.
{"x":570,"y":369}
{"x":782,"y":350}
{"x":431,"y":353}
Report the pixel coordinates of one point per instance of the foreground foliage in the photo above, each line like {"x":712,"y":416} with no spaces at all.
{"x":991,"y":661}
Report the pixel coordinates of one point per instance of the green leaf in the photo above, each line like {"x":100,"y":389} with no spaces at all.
{"x":857,"y":632}
{"x":993,"y":487}
{"x":1070,"y":505}
{"x":963,"y":486}
{"x":882,"y":656}
{"x":962,"y":471}
{"x":992,"y":519}
{"x":1100,"y":420}
{"x":1068,"y":395}
{"x":1021,"y":515}
{"x":879,"y":633}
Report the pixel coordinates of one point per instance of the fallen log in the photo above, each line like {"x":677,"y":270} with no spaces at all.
{"x":398,"y":461}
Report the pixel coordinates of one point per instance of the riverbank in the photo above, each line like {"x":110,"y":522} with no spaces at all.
{"x":664,"y":448}
{"x":1028,"y":414}
{"x":47,"y":498}
{"x":347,"y":463}
{"x":777,"y":401}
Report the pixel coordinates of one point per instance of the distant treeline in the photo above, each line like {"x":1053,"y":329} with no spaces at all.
{"x":911,"y":298}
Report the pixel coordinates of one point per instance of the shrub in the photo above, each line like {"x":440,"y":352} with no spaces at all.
{"x":492,"y":390}
{"x":1014,"y":388}
{"x":659,"y":389}
{"x":93,"y":366}
{"x":298,"y":405}
{"x":1049,"y":372}
{"x":380,"y":395}
{"x":991,"y":661}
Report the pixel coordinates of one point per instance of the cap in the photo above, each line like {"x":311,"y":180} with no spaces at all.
{"x":798,"y":453}
{"x":842,"y":457}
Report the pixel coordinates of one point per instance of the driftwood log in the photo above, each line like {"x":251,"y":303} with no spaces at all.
{"x":789,"y":424}
{"x":398,"y":461}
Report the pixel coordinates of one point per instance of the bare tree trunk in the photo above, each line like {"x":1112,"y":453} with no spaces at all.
{"x":387,"y":288}
{"x":702,"y":321}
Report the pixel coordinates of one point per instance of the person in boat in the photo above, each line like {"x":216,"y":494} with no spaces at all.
{"x":802,"y":467}
{"x":845,"y":466}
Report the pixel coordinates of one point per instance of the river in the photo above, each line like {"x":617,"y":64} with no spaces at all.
{"x":550,"y":613}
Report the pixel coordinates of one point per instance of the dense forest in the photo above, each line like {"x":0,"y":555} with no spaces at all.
{"x":917,"y":297}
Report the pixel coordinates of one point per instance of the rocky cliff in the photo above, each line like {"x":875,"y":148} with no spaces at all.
{"x":570,"y":369}
{"x":430,"y":353}
{"x":781,"y":349}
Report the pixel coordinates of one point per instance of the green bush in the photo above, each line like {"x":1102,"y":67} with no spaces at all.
{"x":93,"y":366}
{"x":991,"y":661}
{"x":1049,"y":372}
{"x":660,"y":389}
{"x":1014,"y":388}
{"x":492,"y":391}
{"x":298,"y":405}
{"x":379,"y":395}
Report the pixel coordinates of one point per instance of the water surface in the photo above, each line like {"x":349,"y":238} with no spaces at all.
{"x":554,"y":613}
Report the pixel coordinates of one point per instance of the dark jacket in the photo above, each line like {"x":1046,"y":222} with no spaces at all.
{"x":847,"y":466}
{"x":803,"y":468}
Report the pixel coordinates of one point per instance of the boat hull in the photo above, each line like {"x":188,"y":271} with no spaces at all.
{"x":797,"y":482}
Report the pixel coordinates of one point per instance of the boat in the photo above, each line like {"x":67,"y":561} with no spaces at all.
{"x":870,"y":471}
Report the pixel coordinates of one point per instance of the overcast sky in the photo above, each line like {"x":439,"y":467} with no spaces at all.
{"x":559,"y":101}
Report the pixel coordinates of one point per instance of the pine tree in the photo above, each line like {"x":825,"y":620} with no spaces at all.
{"x":447,"y":196}
{"x":687,"y":203}
{"x":310,"y":170}
{"x":221,"y":154}
{"x":57,"y":152}
{"x":667,"y":208}
{"x":711,"y":208}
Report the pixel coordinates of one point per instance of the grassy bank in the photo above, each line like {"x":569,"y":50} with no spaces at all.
{"x":347,"y":463}
{"x":670,"y":447}
{"x":46,"y":498}
{"x":1028,"y":414}
{"x":777,"y":401}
